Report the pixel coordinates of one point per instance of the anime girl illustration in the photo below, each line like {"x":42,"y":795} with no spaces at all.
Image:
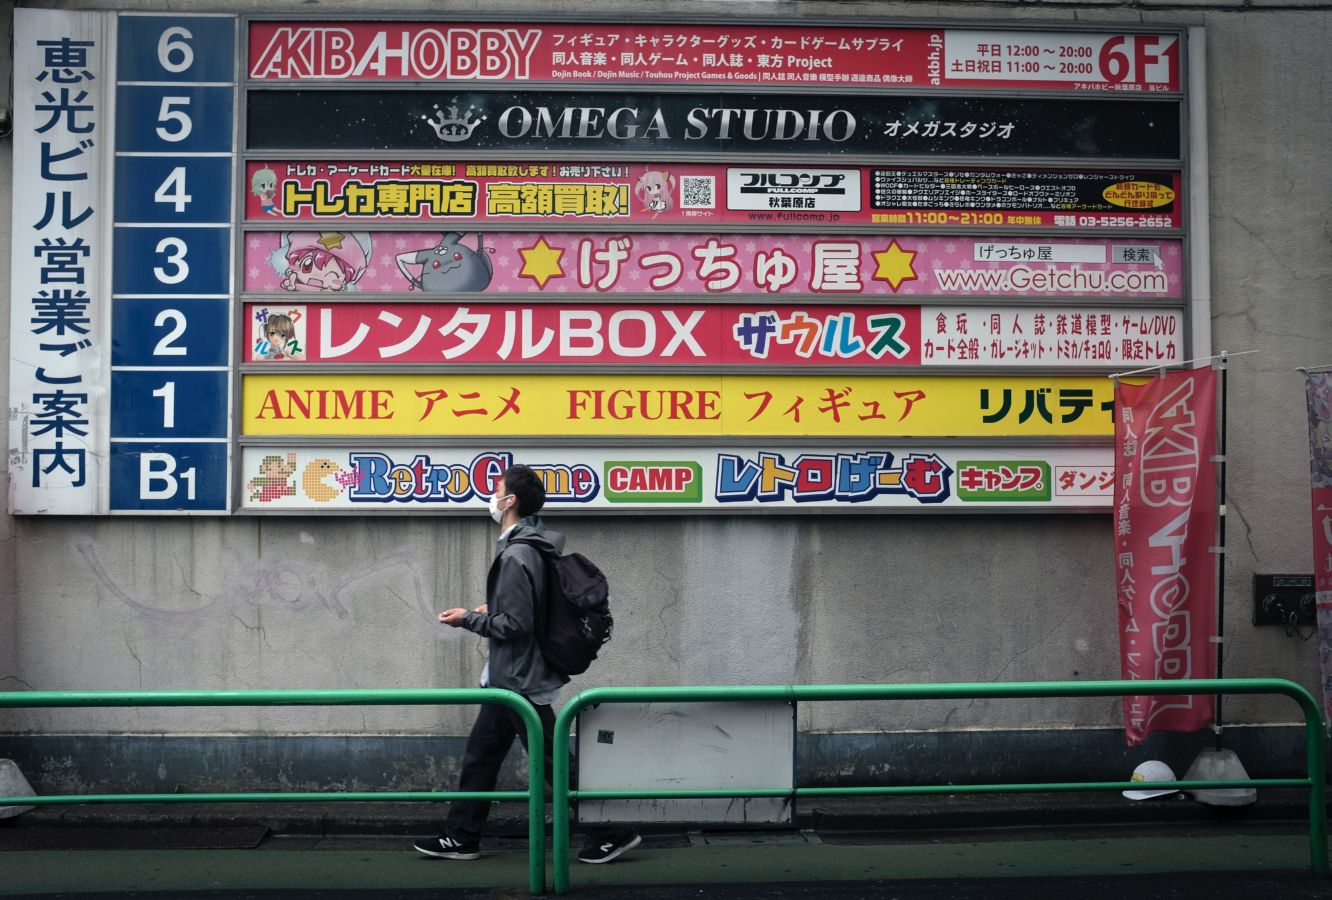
{"x":654,"y":190}
{"x":263,"y":184}
{"x":277,"y":339}
{"x":322,"y":260}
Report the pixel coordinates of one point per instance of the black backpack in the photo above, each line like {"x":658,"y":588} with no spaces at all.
{"x":575,"y":622}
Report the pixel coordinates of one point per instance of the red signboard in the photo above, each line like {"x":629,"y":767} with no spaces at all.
{"x":661,"y":194}
{"x":694,"y":334}
{"x":732,"y":54}
{"x":1318,"y":394}
{"x":1165,"y":527}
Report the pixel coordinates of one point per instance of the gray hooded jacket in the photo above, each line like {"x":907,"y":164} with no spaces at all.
{"x":515,"y":591}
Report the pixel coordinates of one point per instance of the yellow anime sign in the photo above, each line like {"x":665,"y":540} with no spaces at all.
{"x":712,"y":406}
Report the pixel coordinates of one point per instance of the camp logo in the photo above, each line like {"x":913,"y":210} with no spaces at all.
{"x":640,"y":481}
{"x":1003,"y":481}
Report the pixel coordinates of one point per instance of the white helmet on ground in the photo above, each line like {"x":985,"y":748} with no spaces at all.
{"x":1150,"y":771}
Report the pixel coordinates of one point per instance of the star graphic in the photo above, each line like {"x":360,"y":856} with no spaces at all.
{"x":894,"y":265}
{"x":541,"y":262}
{"x":332,"y":240}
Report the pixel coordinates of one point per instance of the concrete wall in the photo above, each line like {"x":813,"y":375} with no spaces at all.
{"x":144,"y":603}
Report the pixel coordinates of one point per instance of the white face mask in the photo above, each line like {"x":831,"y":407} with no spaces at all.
{"x":495,"y":512}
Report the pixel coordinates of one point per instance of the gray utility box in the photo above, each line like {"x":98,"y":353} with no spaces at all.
{"x":687,"y":746}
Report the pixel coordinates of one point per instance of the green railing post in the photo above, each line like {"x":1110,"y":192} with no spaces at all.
{"x":536,"y":742}
{"x":1315,"y":768}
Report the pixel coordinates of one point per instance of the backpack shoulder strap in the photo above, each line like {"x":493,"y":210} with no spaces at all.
{"x":548,"y":573}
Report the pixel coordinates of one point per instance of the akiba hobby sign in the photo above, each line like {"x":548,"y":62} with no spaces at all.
{"x":809,"y":53}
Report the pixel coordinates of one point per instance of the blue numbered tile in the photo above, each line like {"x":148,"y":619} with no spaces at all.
{"x":169,"y":332}
{"x":171,"y":261}
{"x":176,"y":48}
{"x":174,"y":119}
{"x":169,"y":404}
{"x":166,"y":190}
{"x":168,"y":476}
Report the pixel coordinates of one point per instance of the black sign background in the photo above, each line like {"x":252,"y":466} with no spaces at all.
{"x":1035,"y":191}
{"x":401,"y":120}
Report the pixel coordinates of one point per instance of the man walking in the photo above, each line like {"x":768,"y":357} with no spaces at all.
{"x":515,"y":592}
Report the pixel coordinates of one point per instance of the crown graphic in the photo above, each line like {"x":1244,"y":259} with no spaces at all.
{"x":453,"y":127}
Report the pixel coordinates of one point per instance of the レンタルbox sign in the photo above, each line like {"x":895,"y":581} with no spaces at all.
{"x":714,"y":334}
{"x":301,"y":265}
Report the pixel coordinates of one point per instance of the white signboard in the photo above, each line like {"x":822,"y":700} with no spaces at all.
{"x":399,"y":479}
{"x":57,"y":389}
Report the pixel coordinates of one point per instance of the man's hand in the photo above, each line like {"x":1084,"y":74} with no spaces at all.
{"x":482,"y":609}
{"x":452,"y":617}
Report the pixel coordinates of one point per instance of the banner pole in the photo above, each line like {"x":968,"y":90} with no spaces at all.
{"x":1221,"y":556}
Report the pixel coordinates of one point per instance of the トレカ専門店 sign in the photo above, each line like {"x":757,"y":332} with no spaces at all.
{"x":692,"y":194}
{"x":797,"y":265}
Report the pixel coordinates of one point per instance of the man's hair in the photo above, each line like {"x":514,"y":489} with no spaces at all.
{"x":526,"y":485}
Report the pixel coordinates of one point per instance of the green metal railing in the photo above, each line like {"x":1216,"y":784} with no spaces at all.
{"x":1313,"y":725}
{"x":534,"y":795}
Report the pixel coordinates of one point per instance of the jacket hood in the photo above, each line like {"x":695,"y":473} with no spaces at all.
{"x":532,"y":530}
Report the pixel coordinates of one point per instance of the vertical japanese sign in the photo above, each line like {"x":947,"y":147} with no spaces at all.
{"x":171,"y":281}
{"x":1318,"y":391}
{"x":1165,"y":526}
{"x":57,"y":399}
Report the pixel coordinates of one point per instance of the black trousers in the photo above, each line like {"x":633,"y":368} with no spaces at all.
{"x":492,"y":736}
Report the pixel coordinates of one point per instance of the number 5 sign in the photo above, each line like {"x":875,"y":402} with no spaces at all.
{"x":171,"y":280}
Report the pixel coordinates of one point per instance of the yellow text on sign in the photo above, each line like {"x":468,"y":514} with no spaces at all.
{"x":823,"y":405}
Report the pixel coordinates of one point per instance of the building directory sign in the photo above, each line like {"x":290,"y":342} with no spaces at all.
{"x":314,"y":264}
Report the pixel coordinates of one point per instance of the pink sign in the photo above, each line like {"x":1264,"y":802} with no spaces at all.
{"x":1165,"y":525}
{"x":659,"y":194}
{"x":555,"y":264}
{"x":702,"y":335}
{"x":736,"y":53}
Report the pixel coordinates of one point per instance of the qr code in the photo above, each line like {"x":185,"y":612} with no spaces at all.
{"x":696,"y":191}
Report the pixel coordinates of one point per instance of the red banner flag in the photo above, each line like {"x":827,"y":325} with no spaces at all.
{"x":1318,"y":390}
{"x":1165,"y":527}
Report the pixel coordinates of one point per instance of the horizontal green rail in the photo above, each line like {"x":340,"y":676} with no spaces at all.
{"x":1313,"y":726}
{"x":535,"y":793}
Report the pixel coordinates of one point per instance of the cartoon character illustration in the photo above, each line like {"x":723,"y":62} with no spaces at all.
{"x":263,"y":184}
{"x":322,"y":260}
{"x":312,"y":479}
{"x":277,"y":336}
{"x":448,"y":266}
{"x":654,"y":189}
{"x":272,"y":481}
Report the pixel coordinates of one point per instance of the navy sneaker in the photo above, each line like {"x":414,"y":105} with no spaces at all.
{"x":448,"y":847}
{"x":603,"y":849}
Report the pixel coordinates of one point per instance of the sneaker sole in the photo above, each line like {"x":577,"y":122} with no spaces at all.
{"x":619,"y":851}
{"x":447,"y":854}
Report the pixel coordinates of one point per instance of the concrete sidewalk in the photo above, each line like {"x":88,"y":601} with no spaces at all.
{"x":723,"y":865}
{"x":1056,"y":845}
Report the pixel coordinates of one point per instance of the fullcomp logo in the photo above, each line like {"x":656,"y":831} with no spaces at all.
{"x":811,"y":189}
